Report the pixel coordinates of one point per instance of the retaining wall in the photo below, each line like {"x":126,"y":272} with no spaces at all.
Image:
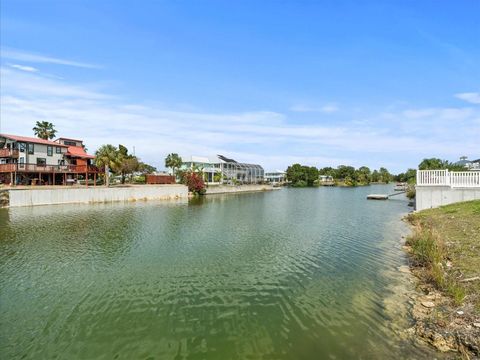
{"x":434,"y":196}
{"x":50,"y":196}
{"x":223,"y":189}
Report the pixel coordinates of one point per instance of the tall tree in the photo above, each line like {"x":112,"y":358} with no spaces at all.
{"x":44,"y":130}
{"x":127,"y":163}
{"x":439,"y":164}
{"x":385,"y":176}
{"x":146,"y":168}
{"x":173,"y":161}
{"x":363,"y":175}
{"x":107,"y":156}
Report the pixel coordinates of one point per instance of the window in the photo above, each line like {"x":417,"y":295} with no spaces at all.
{"x":30,"y":148}
{"x":41,"y":162}
{"x":21,"y":162}
{"x":69,"y":143}
{"x":58,"y":150}
{"x":49,"y":150}
{"x":21,"y":146}
{"x":61,"y":162}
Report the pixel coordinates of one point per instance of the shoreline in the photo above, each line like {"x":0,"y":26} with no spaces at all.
{"x":235,"y":189}
{"x":444,"y":317}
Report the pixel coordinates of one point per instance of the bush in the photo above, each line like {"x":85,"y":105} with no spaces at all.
{"x":300,"y":183}
{"x":429,"y":252}
{"x":411,"y":192}
{"x":194,"y":182}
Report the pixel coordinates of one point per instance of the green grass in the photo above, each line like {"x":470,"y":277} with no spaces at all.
{"x":449,"y":234}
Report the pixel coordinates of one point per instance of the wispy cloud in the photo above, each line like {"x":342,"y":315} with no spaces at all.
{"x":34,"y":84}
{"x":471,"y":97}
{"x":327,"y":109}
{"x":19,"y":55}
{"x":24,"y":68}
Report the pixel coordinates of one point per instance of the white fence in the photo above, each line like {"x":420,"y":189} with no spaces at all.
{"x":453,"y":179}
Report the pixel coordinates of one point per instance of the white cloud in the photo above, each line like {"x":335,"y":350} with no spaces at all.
{"x":24,"y":83}
{"x":471,"y":97}
{"x":24,"y":68}
{"x":327,"y":109}
{"x":19,"y":55}
{"x":87,"y":111}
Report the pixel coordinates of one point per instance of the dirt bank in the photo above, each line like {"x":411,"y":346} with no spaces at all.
{"x":444,"y":250}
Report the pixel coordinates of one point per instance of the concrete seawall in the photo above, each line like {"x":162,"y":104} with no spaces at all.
{"x":225,"y":189}
{"x":434,"y":196}
{"x":51,"y":196}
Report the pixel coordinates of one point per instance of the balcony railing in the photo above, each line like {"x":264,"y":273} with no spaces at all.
{"x":453,"y":179}
{"x":74,"y":169}
{"x":8,"y":153}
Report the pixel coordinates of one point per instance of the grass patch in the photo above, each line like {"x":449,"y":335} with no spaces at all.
{"x":449,"y":235}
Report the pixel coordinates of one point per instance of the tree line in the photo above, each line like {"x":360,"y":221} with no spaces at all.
{"x":120,"y":162}
{"x":301,"y":175}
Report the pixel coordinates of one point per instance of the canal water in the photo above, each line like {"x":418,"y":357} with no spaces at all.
{"x":288,"y":274}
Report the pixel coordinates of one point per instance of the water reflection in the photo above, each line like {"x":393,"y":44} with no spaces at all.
{"x":290,"y":274}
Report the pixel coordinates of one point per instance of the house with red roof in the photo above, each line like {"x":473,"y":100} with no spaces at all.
{"x":30,"y":161}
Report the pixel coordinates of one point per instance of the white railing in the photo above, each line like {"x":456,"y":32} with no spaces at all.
{"x":454,"y":179}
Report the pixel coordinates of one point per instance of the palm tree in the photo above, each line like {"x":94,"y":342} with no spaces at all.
{"x":44,"y":130}
{"x":173,"y":161}
{"x":107,"y":156}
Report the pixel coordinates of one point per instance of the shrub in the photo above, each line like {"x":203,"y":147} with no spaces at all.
{"x":429,"y":252}
{"x":411,"y":192}
{"x":194,"y":182}
{"x":300,"y":183}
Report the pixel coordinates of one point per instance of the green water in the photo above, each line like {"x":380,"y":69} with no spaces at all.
{"x":289,"y":274}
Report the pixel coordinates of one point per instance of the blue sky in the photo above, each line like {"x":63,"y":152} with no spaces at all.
{"x":376,"y":83}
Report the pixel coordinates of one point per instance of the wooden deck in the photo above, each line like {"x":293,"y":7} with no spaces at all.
{"x":56,"y":169}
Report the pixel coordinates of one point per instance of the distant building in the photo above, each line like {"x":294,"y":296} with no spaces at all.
{"x":325,"y":179}
{"x":222,"y":170}
{"x":27,"y":160}
{"x":275,"y":177}
{"x":467,"y":164}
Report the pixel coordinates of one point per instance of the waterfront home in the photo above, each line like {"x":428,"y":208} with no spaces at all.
{"x":222,"y":170}
{"x":33,"y":161}
{"x":325,"y":179}
{"x":275,"y":177}
{"x":467,"y":164}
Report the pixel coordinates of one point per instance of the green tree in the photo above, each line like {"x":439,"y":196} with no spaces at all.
{"x":127,"y":163}
{"x":345,"y":171}
{"x":433,"y":164}
{"x":363,"y":175}
{"x":173,"y":161}
{"x":44,"y":130}
{"x":146,"y":168}
{"x":328,"y":171}
{"x":301,"y":175}
{"x":385,"y":176}
{"x":409,"y":176}
{"x":107,"y":156}
{"x":295,"y":173}
{"x":311,"y":175}
{"x":439,"y":164}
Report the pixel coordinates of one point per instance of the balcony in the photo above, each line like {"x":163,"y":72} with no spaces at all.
{"x":8,"y":153}
{"x":452,"y":179}
{"x":64,"y":169}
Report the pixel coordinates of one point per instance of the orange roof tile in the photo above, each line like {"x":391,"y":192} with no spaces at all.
{"x":79,"y":152}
